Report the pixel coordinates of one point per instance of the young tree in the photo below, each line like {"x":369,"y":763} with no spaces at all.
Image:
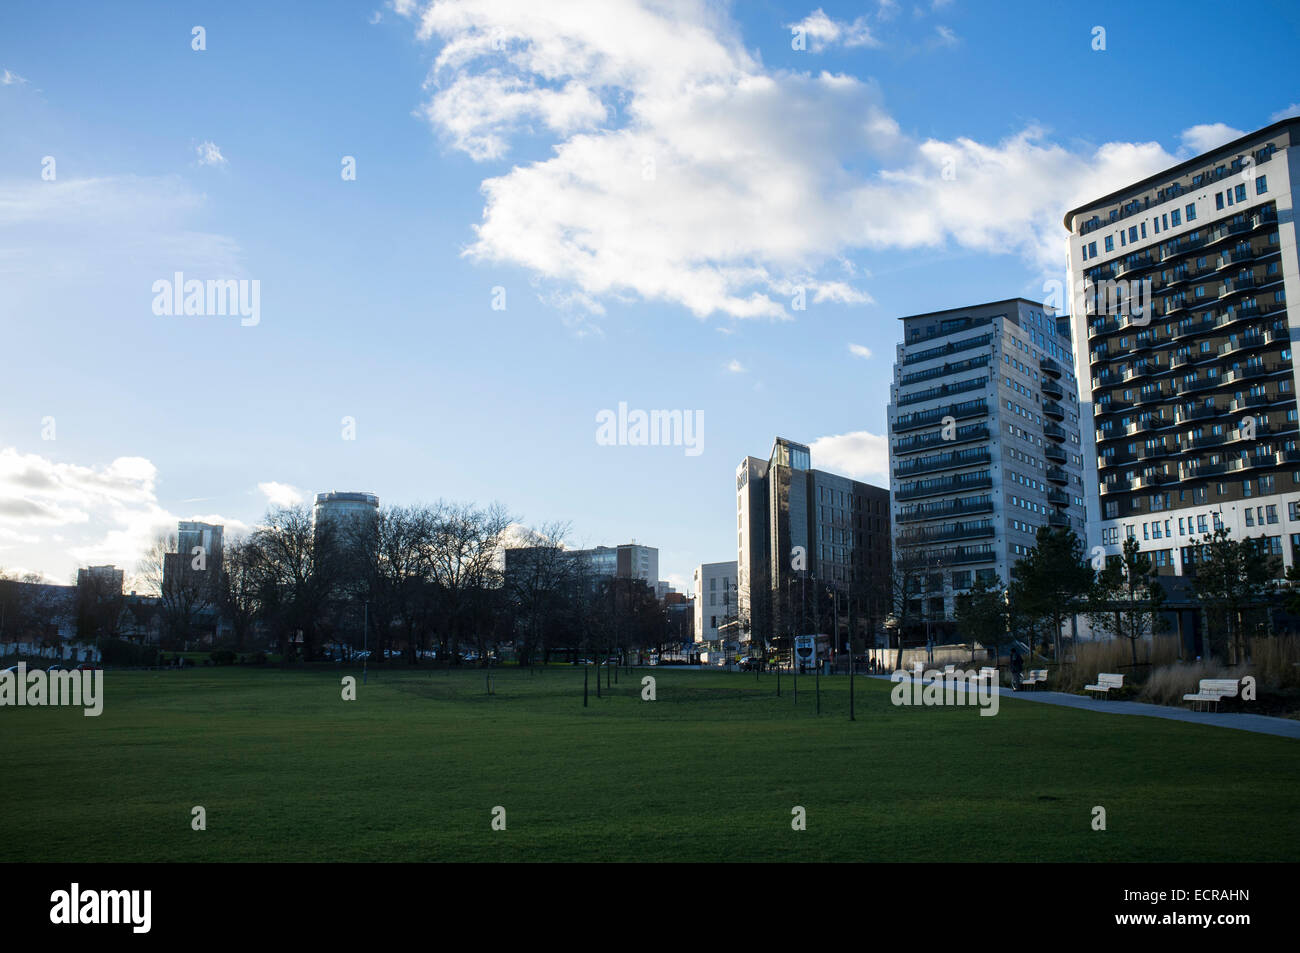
{"x":1230,"y":580}
{"x":1127,"y":597}
{"x":1052,"y":579}
{"x":982,"y":615}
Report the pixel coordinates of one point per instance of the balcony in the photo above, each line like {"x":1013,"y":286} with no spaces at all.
{"x":1117,"y":485}
{"x":1052,"y":389}
{"x":1049,"y":366}
{"x":976,"y":529}
{"x":931,"y":511}
{"x":967,"y":434}
{"x":1058,"y":476}
{"x":1054,"y":432}
{"x":1145,"y":425}
{"x":927,"y":418}
{"x":943,"y":461}
{"x":1199,"y":412}
{"x":951,"y":484}
{"x":1054,"y":453}
{"x":944,"y":390}
{"x":1244,"y":343}
{"x":1058,"y":521}
{"x":1058,"y":497}
{"x":1054,"y":410}
{"x":1150,"y":480}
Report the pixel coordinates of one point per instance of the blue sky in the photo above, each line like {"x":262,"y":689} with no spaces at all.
{"x":505,"y":145}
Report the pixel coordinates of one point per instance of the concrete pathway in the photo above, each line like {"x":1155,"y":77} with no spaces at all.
{"x":1261,"y":724}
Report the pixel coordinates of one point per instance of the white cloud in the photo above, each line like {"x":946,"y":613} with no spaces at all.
{"x":860,"y":350}
{"x":945,"y":36}
{"x":821,"y":31}
{"x":107,"y":513}
{"x":735,"y":367}
{"x":682,"y":170}
{"x":861,"y":455}
{"x":280,"y":494}
{"x":209,"y":153}
{"x":1291,"y":111}
{"x":9,"y":78}
{"x":1207,"y":136}
{"x":81,"y":229}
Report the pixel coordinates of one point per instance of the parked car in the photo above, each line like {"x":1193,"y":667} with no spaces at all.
{"x":55,"y":668}
{"x":750,"y":662}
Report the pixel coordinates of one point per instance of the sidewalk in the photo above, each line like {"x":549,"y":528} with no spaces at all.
{"x":1260,"y":724}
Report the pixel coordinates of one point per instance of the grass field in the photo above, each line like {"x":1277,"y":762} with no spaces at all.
{"x":412,"y":769}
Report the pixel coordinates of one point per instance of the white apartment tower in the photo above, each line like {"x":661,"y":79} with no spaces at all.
{"x":985,"y":445}
{"x":1184,"y":346}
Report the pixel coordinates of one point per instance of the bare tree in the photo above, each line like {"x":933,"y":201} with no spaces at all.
{"x":182,"y":582}
{"x":465,"y":564}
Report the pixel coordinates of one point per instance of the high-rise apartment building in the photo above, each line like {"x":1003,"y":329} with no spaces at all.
{"x":985,"y":445}
{"x":795,"y":527}
{"x":1184,"y":342}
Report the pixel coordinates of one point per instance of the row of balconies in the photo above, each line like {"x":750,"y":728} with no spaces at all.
{"x":967,"y":434}
{"x":947,"y":508}
{"x":926,"y":418}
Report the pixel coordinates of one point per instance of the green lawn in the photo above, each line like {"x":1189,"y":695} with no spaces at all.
{"x":710,"y":771}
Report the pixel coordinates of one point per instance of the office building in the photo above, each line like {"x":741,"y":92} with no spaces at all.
{"x":985,"y":446}
{"x":796,"y":528}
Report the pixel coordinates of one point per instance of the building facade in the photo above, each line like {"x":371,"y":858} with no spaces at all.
{"x":985,"y":447}
{"x":715,"y":598}
{"x":798,"y":527}
{"x":1186,"y":351}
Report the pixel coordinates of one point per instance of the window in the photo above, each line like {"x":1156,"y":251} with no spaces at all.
{"x":1110,"y":243}
{"x":1191,"y":213}
{"x":1174,"y":219}
{"x":1293,"y":511}
{"x":1092,"y":249}
{"x":1261,"y":185}
{"x":1240,"y":193}
{"x":1218,"y":200}
{"x":1133,"y":229}
{"x":1250,"y":517}
{"x":1271,"y":512}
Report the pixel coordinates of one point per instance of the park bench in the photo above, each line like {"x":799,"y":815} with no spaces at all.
{"x":1213,"y":690}
{"x":1035,"y":676}
{"x":1105,"y":682}
{"x":990,"y":673}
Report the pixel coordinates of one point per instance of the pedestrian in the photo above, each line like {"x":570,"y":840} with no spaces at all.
{"x":1017,"y":666}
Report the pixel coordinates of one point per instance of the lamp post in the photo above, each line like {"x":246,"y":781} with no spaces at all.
{"x":365,"y":641}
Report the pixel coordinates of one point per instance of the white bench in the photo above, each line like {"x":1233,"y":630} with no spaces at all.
{"x":1212,"y":690}
{"x":1034,"y":676}
{"x":1105,"y":682}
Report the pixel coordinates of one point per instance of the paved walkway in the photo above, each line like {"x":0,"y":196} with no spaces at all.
{"x":1261,"y":724}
